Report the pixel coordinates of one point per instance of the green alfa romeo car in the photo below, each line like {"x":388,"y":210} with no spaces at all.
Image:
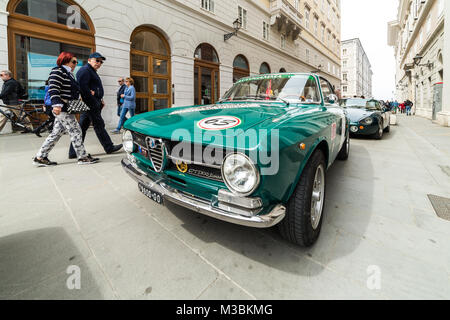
{"x":257,"y":158}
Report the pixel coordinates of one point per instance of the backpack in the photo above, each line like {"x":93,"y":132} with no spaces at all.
{"x":47,"y":98}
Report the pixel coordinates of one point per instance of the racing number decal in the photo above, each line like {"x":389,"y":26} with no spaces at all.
{"x":219,"y":123}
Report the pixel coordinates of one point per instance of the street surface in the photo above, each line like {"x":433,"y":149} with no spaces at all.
{"x":381,"y":237}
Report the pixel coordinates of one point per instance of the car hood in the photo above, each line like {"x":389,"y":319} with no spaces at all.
{"x":357,"y":115}
{"x":253,"y":116}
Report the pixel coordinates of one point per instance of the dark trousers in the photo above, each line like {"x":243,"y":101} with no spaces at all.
{"x":94,"y":117}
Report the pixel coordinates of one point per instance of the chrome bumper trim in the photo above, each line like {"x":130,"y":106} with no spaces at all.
{"x":232,"y":215}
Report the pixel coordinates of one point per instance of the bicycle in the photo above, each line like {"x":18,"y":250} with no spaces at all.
{"x":19,"y":116}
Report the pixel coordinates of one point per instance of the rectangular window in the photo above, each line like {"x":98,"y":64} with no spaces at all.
{"x":307,"y":18}
{"x":208,"y":5}
{"x":242,"y":13}
{"x":344,"y":77}
{"x":35,"y":59}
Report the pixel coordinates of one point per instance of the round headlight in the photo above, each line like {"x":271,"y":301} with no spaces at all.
{"x":128,"y":143}
{"x":240,"y":174}
{"x":368,"y":121}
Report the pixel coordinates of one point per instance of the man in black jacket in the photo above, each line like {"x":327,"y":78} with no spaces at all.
{"x":92,"y":92}
{"x":10,"y":89}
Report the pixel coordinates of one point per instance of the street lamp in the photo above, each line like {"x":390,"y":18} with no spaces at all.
{"x":237,"y":25}
{"x":418,"y":58}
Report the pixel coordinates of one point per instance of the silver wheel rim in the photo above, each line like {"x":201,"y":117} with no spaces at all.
{"x":317,"y":199}
{"x":347,"y":145}
{"x":381,"y":130}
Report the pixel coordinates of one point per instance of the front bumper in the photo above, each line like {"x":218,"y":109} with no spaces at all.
{"x":225,"y":211}
{"x":367,"y":129}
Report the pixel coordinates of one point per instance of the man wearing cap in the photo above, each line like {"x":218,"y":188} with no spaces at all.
{"x":92,"y":92}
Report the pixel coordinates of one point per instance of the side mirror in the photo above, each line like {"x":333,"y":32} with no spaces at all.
{"x":331,"y":99}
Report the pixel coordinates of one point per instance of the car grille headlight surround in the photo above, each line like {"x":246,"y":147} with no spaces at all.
{"x":367,"y":121}
{"x":128,"y":142}
{"x":240,"y":174}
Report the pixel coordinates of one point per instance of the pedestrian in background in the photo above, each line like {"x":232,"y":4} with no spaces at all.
{"x":63,"y":88}
{"x":92,"y":92}
{"x":11,"y":92}
{"x":129,"y":104}
{"x":120,"y":92}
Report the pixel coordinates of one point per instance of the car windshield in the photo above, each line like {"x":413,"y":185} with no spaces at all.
{"x":291,"y":88}
{"x":359,"y":104}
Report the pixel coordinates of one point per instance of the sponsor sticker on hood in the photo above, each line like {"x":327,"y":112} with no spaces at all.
{"x":219,"y":123}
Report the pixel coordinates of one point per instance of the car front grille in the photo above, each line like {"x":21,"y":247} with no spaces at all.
{"x":156,"y":153}
{"x":161,"y":157}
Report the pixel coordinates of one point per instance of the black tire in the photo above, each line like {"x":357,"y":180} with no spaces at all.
{"x":297,"y":226}
{"x":379,"y":134}
{"x":345,"y":150}
{"x":388,"y":129}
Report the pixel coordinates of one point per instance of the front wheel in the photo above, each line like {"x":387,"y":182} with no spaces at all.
{"x":345,"y":151}
{"x":304,"y":214}
{"x":379,"y":134}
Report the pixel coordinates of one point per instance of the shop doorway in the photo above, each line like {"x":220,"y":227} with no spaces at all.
{"x":150,"y":69}
{"x":206,"y":75}
{"x":37,"y":34}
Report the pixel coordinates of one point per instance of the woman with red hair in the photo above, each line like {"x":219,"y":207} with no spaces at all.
{"x":63,"y":88}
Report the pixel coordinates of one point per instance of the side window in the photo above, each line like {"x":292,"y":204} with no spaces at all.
{"x":327,"y":90}
{"x":311,"y":91}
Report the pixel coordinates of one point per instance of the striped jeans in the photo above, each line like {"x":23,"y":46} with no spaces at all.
{"x":64,"y":123}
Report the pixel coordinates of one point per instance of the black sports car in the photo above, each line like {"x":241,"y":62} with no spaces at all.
{"x":367,"y":117}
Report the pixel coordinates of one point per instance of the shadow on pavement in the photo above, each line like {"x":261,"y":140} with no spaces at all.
{"x":33,"y":265}
{"x":266,"y":246}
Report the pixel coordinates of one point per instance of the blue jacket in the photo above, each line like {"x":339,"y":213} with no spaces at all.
{"x":130,"y":98}
{"x":89,"y":80}
{"x":119,"y":93}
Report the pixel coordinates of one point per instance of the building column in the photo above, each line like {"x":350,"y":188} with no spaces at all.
{"x":117,"y":64}
{"x":443,"y":117}
{"x":4,"y":56}
{"x":182,"y":81}
{"x":226,"y":79}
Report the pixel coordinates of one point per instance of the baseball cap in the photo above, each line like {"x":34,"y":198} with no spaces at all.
{"x":97,"y":55}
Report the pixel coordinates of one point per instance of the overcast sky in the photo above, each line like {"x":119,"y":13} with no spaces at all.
{"x":367,"y":20}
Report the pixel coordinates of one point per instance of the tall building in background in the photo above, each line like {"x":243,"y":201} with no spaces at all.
{"x":174,"y":49}
{"x":356,"y":70}
{"x":418,"y":39}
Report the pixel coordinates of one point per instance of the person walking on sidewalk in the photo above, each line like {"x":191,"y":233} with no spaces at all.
{"x":129,"y":104}
{"x":92,"y":92}
{"x":62,"y":88}
{"x":120,"y":100}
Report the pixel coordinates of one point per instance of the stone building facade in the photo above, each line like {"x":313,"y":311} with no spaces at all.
{"x":174,"y":49}
{"x":356,"y":70}
{"x":418,"y":39}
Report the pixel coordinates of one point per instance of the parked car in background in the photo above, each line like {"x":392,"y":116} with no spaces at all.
{"x":292,"y":119}
{"x":367,"y":117}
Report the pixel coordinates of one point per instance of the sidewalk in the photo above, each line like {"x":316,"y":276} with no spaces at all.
{"x":127,"y":247}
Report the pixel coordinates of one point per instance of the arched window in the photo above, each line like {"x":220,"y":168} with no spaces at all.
{"x":282,"y":70}
{"x":38,"y":31}
{"x":264,"y":68}
{"x":206,"y":75}
{"x":150,"y":69}
{"x":241,"y":68}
